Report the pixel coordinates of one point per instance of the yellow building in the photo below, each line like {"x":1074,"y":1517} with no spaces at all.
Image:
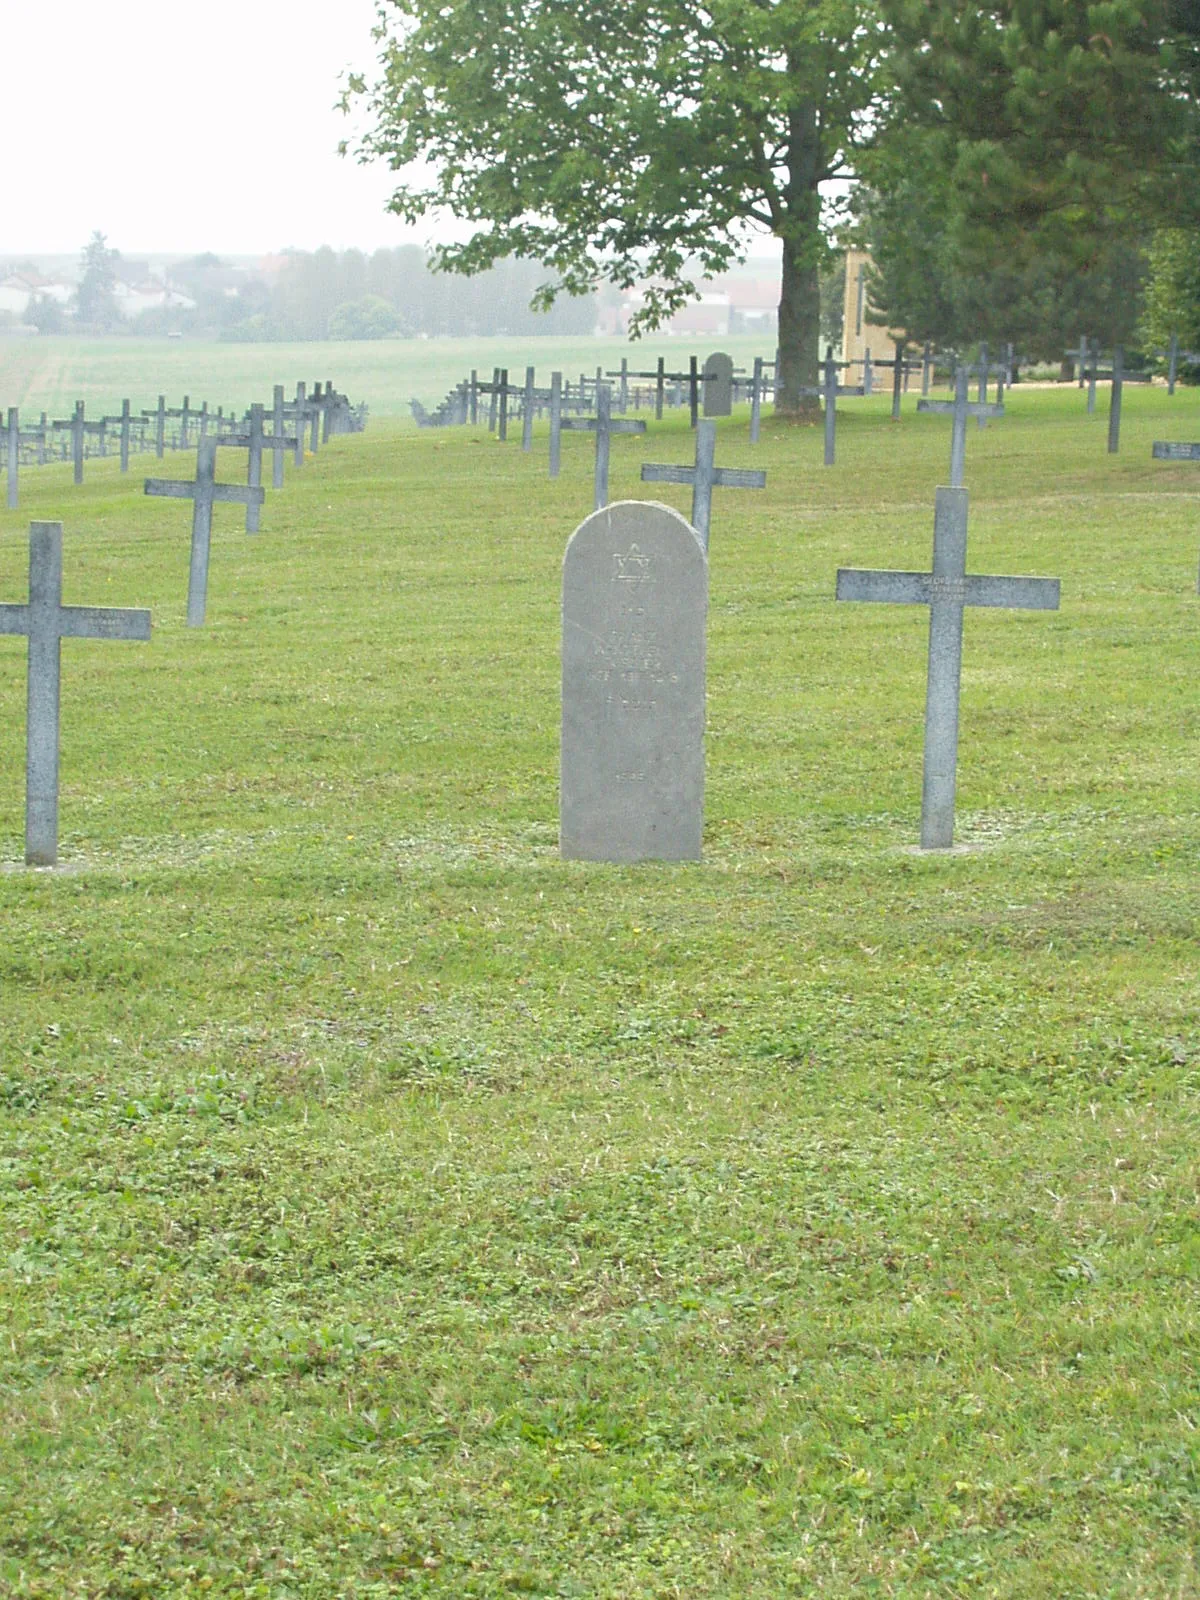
{"x":859,"y":335}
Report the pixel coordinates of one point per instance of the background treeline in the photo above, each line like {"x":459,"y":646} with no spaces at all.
{"x":324,"y":294}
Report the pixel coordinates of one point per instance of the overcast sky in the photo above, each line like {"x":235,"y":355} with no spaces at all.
{"x":176,"y":128}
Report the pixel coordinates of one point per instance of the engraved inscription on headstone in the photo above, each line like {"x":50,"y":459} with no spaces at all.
{"x":635,"y":599}
{"x":718,"y":385}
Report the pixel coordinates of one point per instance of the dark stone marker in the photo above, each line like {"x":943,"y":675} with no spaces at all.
{"x":718,"y":385}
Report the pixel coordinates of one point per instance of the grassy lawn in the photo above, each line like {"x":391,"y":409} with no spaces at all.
{"x":51,"y":374}
{"x":390,"y":1208}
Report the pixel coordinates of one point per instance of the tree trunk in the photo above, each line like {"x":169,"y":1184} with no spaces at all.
{"x":799,"y":229}
{"x":799,"y":335}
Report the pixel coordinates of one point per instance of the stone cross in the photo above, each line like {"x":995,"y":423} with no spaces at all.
{"x":255,"y":440}
{"x":623,"y":375}
{"x":556,"y":402}
{"x":12,"y":455}
{"x":660,"y":383}
{"x":718,"y":385}
{"x":300,"y":410}
{"x":184,"y":413}
{"x":635,"y":598}
{"x":314,"y":415}
{"x":1161,"y":450}
{"x":603,"y":426}
{"x":959,"y":408}
{"x":1093,"y":365}
{"x":78,"y":427}
{"x":45,"y":622}
{"x":280,"y":442}
{"x":159,"y":416}
{"x":946,"y":591}
{"x":1079,"y":356}
{"x":828,"y":392}
{"x":14,"y":439}
{"x":756,"y":394}
{"x":527,"y":402}
{"x":126,"y":423}
{"x":704,"y":477}
{"x":983,"y":369}
{"x":202,"y":493}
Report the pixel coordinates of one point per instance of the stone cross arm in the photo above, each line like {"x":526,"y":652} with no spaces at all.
{"x":722,"y":477}
{"x":241,"y":440}
{"x":89,"y":425}
{"x":610,"y":425}
{"x":842,"y":389}
{"x":81,"y":622}
{"x":973,"y":407}
{"x":923,"y":588}
{"x":176,"y":489}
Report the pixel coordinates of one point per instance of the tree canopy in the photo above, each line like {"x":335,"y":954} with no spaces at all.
{"x":629,"y":144}
{"x":95,"y":299}
{"x":1015,"y":154}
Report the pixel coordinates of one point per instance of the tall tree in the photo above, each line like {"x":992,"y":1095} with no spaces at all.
{"x":925,"y":281}
{"x":95,"y":299}
{"x":1064,"y":124}
{"x":1173,"y":290}
{"x":628,"y":143}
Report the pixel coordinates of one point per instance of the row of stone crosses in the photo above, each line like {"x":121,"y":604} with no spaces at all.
{"x":44,"y":621}
{"x":77,"y":437}
{"x":714,"y":389}
{"x":634,"y":614}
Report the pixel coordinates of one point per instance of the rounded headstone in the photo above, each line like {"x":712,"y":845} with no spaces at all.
{"x":635,"y":601}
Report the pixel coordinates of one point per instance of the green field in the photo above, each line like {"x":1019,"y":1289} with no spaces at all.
{"x":51,"y":374}
{"x":391,"y":1208}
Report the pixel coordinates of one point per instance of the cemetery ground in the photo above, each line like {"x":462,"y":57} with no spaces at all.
{"x":390,"y":1207}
